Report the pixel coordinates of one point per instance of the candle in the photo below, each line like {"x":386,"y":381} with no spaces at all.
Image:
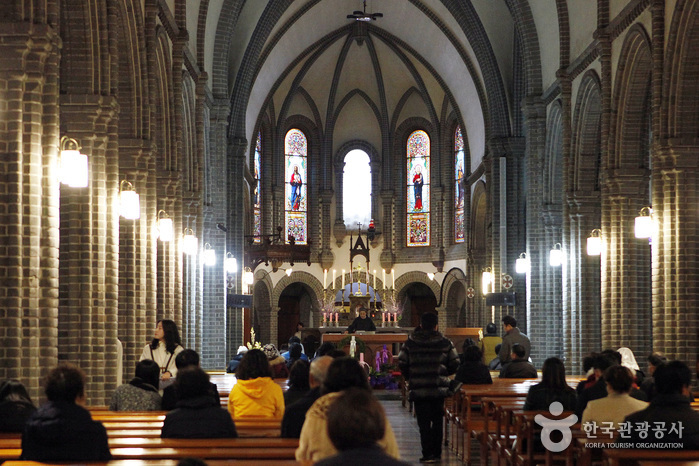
{"x":325,"y":317}
{"x":383,"y":317}
{"x":361,"y":357}
{"x":337,"y":317}
{"x":333,"y":278}
{"x":393,"y":273}
{"x":384,"y":279}
{"x":325,"y":278}
{"x":395,"y":317}
{"x":343,"y":283}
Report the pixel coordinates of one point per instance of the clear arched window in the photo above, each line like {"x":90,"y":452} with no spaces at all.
{"x":459,"y":186}
{"x":296,"y":179}
{"x":356,"y":188}
{"x":257,"y":207}
{"x":418,"y":191}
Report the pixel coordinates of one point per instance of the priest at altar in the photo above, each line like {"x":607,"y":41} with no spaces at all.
{"x":361,"y":322}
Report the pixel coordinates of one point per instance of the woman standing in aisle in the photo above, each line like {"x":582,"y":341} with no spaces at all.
{"x":165,"y":346}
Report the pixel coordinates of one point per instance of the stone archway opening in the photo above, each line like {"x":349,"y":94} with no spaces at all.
{"x":295,"y":305}
{"x":419,"y":298}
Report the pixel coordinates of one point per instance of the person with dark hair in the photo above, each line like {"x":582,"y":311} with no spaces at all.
{"x":299,"y":330}
{"x":233,"y":363}
{"x":295,"y":413}
{"x":295,"y":353}
{"x":553,"y":387}
{"x":494,"y":364}
{"x":472,"y":370}
{"x":356,"y":422}
{"x":512,"y":336}
{"x":489,"y":342}
{"x":197,"y":414}
{"x":671,"y":407}
{"x":587,"y":366}
{"x":186,"y":358}
{"x":324,"y":349}
{"x":362,"y":322}
{"x":426,"y":360}
{"x":613,"y":408}
{"x":255,"y":394}
{"x":15,"y":406}
{"x":648,"y":384}
{"x":165,"y":346}
{"x":298,"y":382}
{"x":141,"y":393}
{"x":294,"y":340}
{"x":518,"y":367}
{"x":276,"y":361}
{"x":314,"y":444}
{"x":61,"y":429}
{"x":598,"y":390}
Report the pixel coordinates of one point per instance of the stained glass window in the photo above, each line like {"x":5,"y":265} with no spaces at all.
{"x":296,"y":179}
{"x":257,"y":208}
{"x":356,"y":189}
{"x":459,"y":186}
{"x":418,"y":189}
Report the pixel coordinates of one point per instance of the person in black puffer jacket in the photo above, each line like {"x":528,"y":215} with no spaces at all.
{"x":427,"y":359}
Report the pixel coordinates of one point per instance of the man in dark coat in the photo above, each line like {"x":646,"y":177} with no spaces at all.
{"x":61,"y":430}
{"x":512,"y":336}
{"x":186,"y":358}
{"x":670,"y":408}
{"x":426,"y":360}
{"x":295,"y":413}
{"x":197,"y":414}
{"x":519,"y":367}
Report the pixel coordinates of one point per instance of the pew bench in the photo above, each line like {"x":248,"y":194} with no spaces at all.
{"x":163,"y":462}
{"x":635,"y":457}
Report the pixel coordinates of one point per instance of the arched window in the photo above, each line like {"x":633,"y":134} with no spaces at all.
{"x":257,"y":208}
{"x":296,"y":178}
{"x":418,"y":192}
{"x":459,"y":186}
{"x":356,"y":188}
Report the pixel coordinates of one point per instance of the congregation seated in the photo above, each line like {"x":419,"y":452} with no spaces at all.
{"x":648,"y":384}
{"x":628,"y":360}
{"x":255,"y":394}
{"x":15,"y":406}
{"x":356,"y":422}
{"x":233,"y":363}
{"x":671,"y":407}
{"x":295,"y":354}
{"x":141,"y":393}
{"x":61,"y":429}
{"x":324,"y":349}
{"x":276,"y":361}
{"x":489,"y":343}
{"x":186,"y":358}
{"x":612,"y":409}
{"x":287,"y":354}
{"x":314,"y":444}
{"x":472,"y":370}
{"x":197,"y":413}
{"x":295,"y":413}
{"x":298,"y":382}
{"x":519,"y":367}
{"x":553,"y":387}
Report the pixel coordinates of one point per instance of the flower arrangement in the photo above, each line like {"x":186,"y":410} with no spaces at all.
{"x":326,"y":306}
{"x":382,"y":376}
{"x":252,"y":344}
{"x":394,"y":307}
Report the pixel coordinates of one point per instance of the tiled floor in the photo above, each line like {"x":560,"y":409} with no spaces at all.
{"x":408,"y":435}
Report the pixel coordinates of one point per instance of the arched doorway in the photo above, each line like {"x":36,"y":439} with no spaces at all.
{"x":294,"y":306}
{"x":419,"y":299}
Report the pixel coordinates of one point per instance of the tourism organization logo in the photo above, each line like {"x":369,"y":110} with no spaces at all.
{"x":548,"y":426}
{"x":656,"y":435}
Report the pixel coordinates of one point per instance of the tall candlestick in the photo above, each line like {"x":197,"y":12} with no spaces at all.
{"x":351,"y":280}
{"x":325,"y":278}
{"x":384,"y":279}
{"x":393,"y":274}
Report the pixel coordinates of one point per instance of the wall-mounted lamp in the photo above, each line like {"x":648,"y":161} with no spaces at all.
{"x":486,"y":280}
{"x":643,"y":227}
{"x":231,"y":264}
{"x":430,"y":276}
{"x":556,"y":255}
{"x":130,"y":201}
{"x":190,"y":243}
{"x":165,"y":229}
{"x":209,"y":255}
{"x":522,"y":263}
{"x":248,"y":278}
{"x":74,"y":167}
{"x":594,"y":243}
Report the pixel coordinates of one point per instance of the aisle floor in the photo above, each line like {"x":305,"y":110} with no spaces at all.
{"x":408,"y":435}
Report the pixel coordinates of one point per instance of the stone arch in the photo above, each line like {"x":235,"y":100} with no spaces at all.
{"x":404,"y":282}
{"x":312,"y":284}
{"x":262,"y":307}
{"x":587,"y":135}
{"x":453,"y":299}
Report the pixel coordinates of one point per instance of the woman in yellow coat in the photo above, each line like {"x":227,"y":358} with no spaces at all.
{"x":255,"y":394}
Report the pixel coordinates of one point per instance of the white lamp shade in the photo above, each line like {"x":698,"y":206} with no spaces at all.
{"x":165,"y":229}
{"x":430,"y":276}
{"x":594,"y":246}
{"x":209,"y":257}
{"x":130,"y":205}
{"x":248,"y":278}
{"x":190,"y":244}
{"x":74,"y":168}
{"x":522,"y":265}
{"x":485,"y":281}
{"x":231,"y":265}
{"x":643,"y":227}
{"x":555,"y":257}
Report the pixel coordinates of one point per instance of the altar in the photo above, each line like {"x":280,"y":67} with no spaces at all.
{"x":372,"y":342}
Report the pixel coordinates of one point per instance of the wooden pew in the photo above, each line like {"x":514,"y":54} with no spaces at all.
{"x":162,"y":462}
{"x":636,"y":457}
